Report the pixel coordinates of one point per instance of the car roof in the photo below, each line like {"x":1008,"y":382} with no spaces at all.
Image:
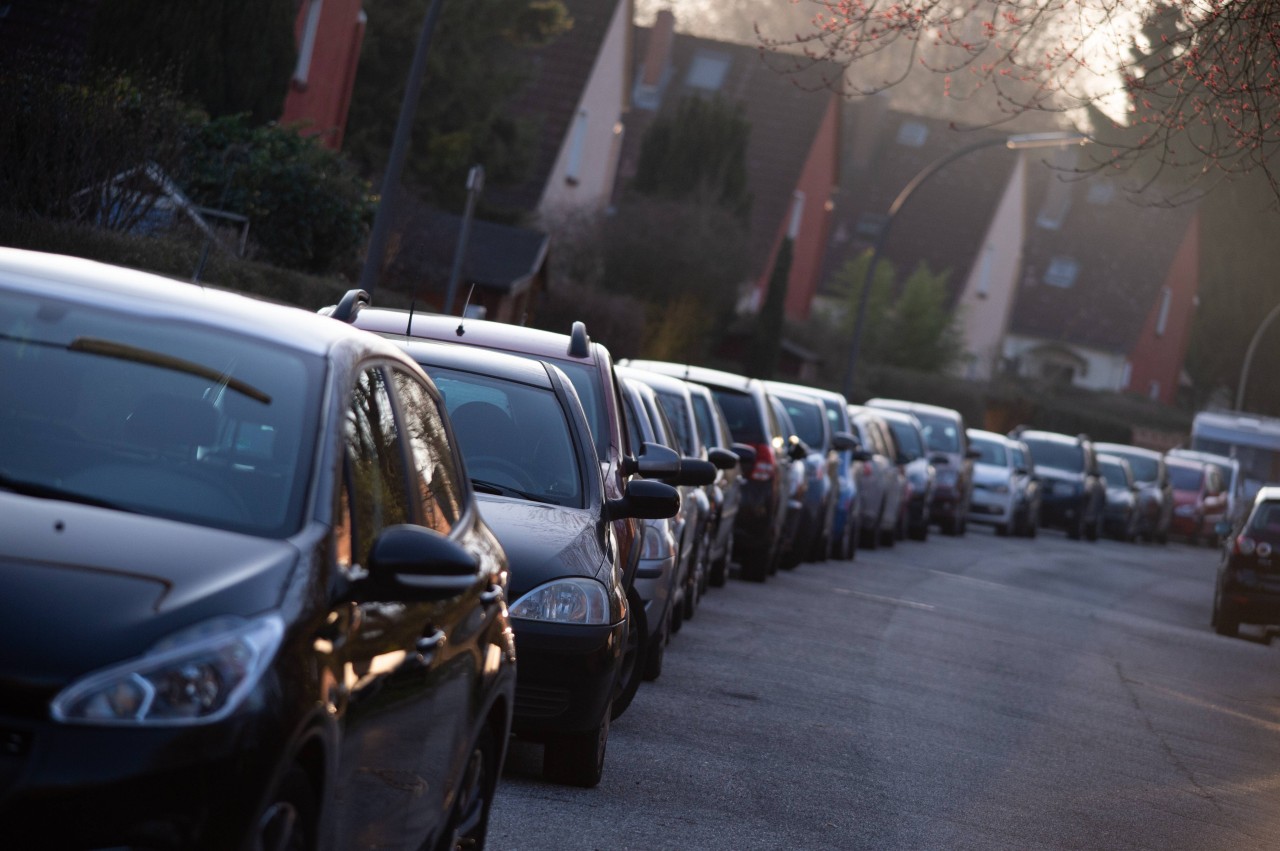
{"x":656,"y":380}
{"x":811,"y":391}
{"x":1267,"y":493}
{"x":478,"y":332}
{"x":983,"y":434}
{"x":1107,"y":457}
{"x":911,"y":407}
{"x":1127,"y":449}
{"x":510,"y":367}
{"x":700,"y":374}
{"x":148,"y":294}
{"x":899,"y":416}
{"x":1210,"y":457}
{"x":1048,"y":436}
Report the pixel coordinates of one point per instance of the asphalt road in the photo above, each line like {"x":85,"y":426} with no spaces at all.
{"x":978,"y":692}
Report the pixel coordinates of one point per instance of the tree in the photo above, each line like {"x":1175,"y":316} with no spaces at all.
{"x":1193,"y":86}
{"x":766,"y":338}
{"x":474,"y":66}
{"x":231,"y":56}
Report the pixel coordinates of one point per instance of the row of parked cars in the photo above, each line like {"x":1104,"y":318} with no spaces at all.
{"x":279,"y":579}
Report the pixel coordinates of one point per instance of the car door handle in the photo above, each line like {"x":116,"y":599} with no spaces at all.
{"x":427,"y":645}
{"x":493,"y":595}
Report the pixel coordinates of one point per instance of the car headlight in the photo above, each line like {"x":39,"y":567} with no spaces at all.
{"x":196,"y":676}
{"x":571,"y":600}
{"x":657,"y":543}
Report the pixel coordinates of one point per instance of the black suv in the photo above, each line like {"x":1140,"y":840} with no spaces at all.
{"x":1073,"y":494}
{"x":245,"y":578}
{"x":1248,"y":586}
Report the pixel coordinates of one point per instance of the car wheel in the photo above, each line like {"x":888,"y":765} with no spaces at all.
{"x":288,"y":822}
{"x":919,"y":531}
{"x":469,"y":820}
{"x":1033,"y":526}
{"x":1093,"y":531}
{"x":754,"y":567}
{"x":1002,"y":529}
{"x":657,"y":651}
{"x":633,"y":655}
{"x":577,"y":759}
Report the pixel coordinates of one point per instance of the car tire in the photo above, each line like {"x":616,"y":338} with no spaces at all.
{"x":719,"y":571}
{"x":288,"y":821}
{"x":1002,"y":530}
{"x":577,"y":759}
{"x":469,"y":820}
{"x":633,"y":656}
{"x":1093,"y":531}
{"x":1033,"y":527}
{"x":754,"y":566}
{"x":657,"y":651}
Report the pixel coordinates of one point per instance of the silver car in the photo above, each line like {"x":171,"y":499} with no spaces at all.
{"x":994,"y":485}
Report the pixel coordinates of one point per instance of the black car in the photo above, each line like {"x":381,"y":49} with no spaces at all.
{"x":529,"y":453}
{"x":248,"y":599}
{"x":1073,"y":495}
{"x":1155,"y":493}
{"x":1248,"y":584}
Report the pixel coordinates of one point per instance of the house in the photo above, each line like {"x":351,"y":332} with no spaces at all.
{"x":329,"y":34}
{"x":576,"y":95}
{"x":792,"y":153}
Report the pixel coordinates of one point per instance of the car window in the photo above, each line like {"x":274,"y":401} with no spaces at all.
{"x":515,"y":438}
{"x":435,"y":473}
{"x":1266,"y":519}
{"x":989,"y":451}
{"x":1145,"y":469}
{"x":705,"y":418}
{"x":632,"y":418}
{"x":678,"y":416}
{"x":807,"y":418}
{"x":1019,"y":457}
{"x":168,"y":419}
{"x":585,"y":378}
{"x":742,"y":415}
{"x":908,"y":438}
{"x":373,"y":470}
{"x":1113,"y":473}
{"x":940,"y":433}
{"x":834,"y":417}
{"x":1051,"y":453}
{"x":1185,"y":478}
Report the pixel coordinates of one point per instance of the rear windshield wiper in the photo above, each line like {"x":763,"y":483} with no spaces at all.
{"x":502,"y":490}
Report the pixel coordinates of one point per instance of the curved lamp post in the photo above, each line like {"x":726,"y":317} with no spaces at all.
{"x":1019,"y":142}
{"x":1248,"y":354}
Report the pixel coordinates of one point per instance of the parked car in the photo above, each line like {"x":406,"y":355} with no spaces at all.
{"x":1074,"y":497}
{"x":944,"y":430}
{"x":529,"y":452}
{"x":672,"y":395}
{"x":732,"y":460}
{"x":1235,"y":483}
{"x":1155,"y":496}
{"x":822,"y":468}
{"x":759,"y":529}
{"x":1120,"y":517}
{"x":686,"y":525}
{"x":1026,"y":490}
{"x":246,"y":578}
{"x":589,"y":366}
{"x":796,"y":485}
{"x":882,"y":482}
{"x":1199,"y":499}
{"x":994,"y":481}
{"x":1247,"y":589}
{"x":913,"y":458}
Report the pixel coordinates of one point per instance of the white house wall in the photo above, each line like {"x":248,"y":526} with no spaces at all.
{"x":584,"y":172}
{"x":1101,"y":370}
{"x":986,"y":302}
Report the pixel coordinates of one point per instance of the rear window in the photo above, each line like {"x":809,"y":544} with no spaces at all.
{"x":742,"y":415}
{"x":1051,"y":453}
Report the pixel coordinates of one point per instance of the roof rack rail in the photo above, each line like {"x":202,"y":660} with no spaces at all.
{"x":352,"y":303}
{"x":579,"y":342}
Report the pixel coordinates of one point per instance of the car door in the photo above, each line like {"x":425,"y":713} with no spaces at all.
{"x":401,"y":705}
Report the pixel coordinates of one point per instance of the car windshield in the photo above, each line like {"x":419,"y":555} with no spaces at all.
{"x":990,"y":452}
{"x":807,"y":418}
{"x":1185,"y":478}
{"x":1145,"y":469}
{"x":166,"y":419}
{"x":1052,"y":453}
{"x":908,"y":437}
{"x":1113,"y":473}
{"x":940,"y":433}
{"x":742,"y":415}
{"x":678,"y":416}
{"x":515,"y":438}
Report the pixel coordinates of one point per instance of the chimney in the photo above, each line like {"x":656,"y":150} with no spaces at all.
{"x":657,"y":58}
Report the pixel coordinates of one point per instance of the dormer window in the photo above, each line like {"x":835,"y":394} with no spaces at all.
{"x":707,"y":71}
{"x":912,"y":134}
{"x":308,"y":44}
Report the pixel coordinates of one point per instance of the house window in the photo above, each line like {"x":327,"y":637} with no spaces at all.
{"x":797,"y":214}
{"x":1126,"y":375}
{"x":577,"y":141}
{"x":1062,"y":272}
{"x":912,"y":134}
{"x":308,"y":44}
{"x":707,"y":71}
{"x":870,"y":226}
{"x":1162,"y":321}
{"x":1153,"y":390}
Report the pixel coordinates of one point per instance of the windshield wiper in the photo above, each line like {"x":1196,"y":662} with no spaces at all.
{"x":112,"y":349}
{"x":43,"y":491}
{"x":502,"y":490}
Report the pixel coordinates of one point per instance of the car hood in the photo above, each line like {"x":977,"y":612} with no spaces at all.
{"x":545,"y":542}
{"x":86,"y":587}
{"x":1058,"y":474}
{"x":990,"y":474}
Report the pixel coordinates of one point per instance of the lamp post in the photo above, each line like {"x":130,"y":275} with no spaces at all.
{"x":1248,"y":354}
{"x":475,"y":185}
{"x":1022,"y":141}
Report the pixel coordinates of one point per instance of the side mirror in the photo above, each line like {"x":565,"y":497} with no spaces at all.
{"x":843,"y":440}
{"x":972,"y":454}
{"x":746,"y":454}
{"x":645,"y":500}
{"x":723,"y":459}
{"x":655,"y":462}
{"x":939,"y":458}
{"x":694,"y":471}
{"x":797,"y":449}
{"x":1022,"y":471}
{"x":862,"y":455}
{"x":416,"y":563}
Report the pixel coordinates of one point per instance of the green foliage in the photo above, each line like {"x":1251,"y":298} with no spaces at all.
{"x":65,"y":144}
{"x":307,"y":208}
{"x":697,"y":150}
{"x":473,"y":68}
{"x":914,"y":329}
{"x":766,"y":340}
{"x":232,"y":56}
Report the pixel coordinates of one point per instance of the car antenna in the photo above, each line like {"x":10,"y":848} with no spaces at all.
{"x":461,"y":330}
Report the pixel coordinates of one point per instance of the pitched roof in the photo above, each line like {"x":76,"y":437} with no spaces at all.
{"x":946,"y":218}
{"x":1107,"y":256}
{"x":785,"y":113}
{"x":558,"y":73}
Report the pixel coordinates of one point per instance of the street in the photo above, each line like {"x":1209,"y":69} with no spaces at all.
{"x":975,"y":692}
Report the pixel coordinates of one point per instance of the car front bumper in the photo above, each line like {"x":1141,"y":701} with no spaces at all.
{"x":565,"y":676}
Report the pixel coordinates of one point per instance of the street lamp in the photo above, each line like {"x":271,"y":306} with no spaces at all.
{"x":1020,"y":142}
{"x":1248,"y":354}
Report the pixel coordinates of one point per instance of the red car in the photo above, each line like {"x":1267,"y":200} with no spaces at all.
{"x":1199,"y":499}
